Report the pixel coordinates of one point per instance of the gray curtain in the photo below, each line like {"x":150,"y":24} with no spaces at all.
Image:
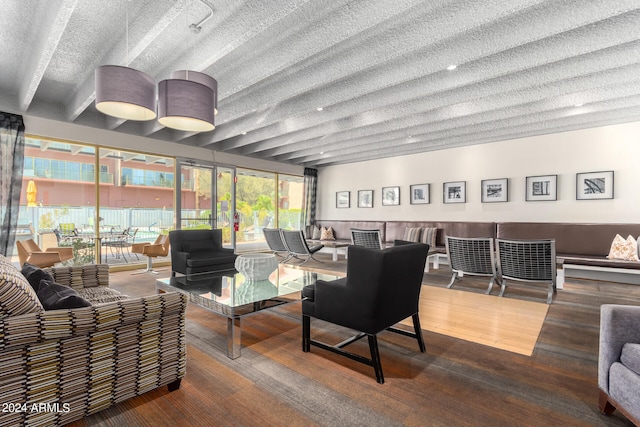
{"x":310,"y":189}
{"x":11,"y":165}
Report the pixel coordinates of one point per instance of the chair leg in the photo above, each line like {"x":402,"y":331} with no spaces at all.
{"x":453,"y":279}
{"x":306,"y":333}
{"x":149,"y":267}
{"x":418,"y":330}
{"x":503,"y":286}
{"x":491,"y":282}
{"x":375,"y":358}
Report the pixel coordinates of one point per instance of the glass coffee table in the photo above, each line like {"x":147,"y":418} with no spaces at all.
{"x":229,"y":294}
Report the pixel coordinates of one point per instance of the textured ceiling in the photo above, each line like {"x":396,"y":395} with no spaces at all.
{"x":377,"y":68}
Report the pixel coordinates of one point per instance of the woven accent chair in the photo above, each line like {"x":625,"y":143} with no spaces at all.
{"x":297,"y":245}
{"x":528,"y":261}
{"x":382,"y":288}
{"x":367,"y":238}
{"x":29,"y":251}
{"x":152,"y":250}
{"x":275,"y":241}
{"x":472,"y":256}
{"x":87,"y":358}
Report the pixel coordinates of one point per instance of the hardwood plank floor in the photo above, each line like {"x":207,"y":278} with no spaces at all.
{"x":455,"y":383}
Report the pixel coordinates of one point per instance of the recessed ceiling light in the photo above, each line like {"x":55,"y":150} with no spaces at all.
{"x":452,"y":67}
{"x":319,"y":109}
{"x":244,"y":133}
{"x":578,"y":105}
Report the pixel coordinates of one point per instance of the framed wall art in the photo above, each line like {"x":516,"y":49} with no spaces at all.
{"x":390,"y":196}
{"x":454,"y":192}
{"x":594,"y":185}
{"x":365,"y":198}
{"x":541,"y":188}
{"x":342,"y":199}
{"x":495,"y":190}
{"x":419,"y":194}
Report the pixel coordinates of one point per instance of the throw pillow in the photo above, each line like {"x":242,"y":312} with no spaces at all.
{"x":54,"y":296}
{"x":412,"y":234}
{"x":16,"y":295}
{"x":429,"y":237}
{"x":34,"y":275}
{"x":327,"y":234}
{"x":316,"y":234}
{"x":622,"y":249}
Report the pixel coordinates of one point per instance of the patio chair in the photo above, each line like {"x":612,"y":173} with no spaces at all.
{"x":382,"y":288}
{"x":297,"y":245}
{"x":152,"y":250}
{"x":274,"y":239}
{"x":472,"y":256}
{"x":528,"y":261}
{"x":367,"y":238}
{"x":29,"y":251}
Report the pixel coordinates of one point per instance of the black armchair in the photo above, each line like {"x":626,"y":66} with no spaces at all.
{"x":199,"y":251}
{"x":382,"y":288}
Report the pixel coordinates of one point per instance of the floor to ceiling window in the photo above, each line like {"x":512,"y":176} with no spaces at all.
{"x":136,"y":202}
{"x":58,"y":203}
{"x":102,"y":200}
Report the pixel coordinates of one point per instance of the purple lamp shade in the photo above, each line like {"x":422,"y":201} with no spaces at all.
{"x":125,"y":93}
{"x":185,"y":105}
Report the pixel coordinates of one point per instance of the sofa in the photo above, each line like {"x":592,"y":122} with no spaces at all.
{"x":199,"y":251}
{"x":60,"y":365}
{"x":619,"y":361}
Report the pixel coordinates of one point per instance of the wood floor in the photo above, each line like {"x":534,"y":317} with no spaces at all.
{"x":455,"y":383}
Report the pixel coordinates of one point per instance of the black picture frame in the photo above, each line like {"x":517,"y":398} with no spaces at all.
{"x":365,"y":198}
{"x":541,"y":188}
{"x":343,"y":199}
{"x":454,"y":192}
{"x":391,"y":196}
{"x":419,"y":194}
{"x":494,"y":190}
{"x":594,"y":185}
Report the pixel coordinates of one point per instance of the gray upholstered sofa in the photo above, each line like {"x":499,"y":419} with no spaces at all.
{"x":60,"y":365}
{"x":619,"y":360}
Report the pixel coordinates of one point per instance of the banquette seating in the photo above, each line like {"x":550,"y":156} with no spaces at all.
{"x":580,"y":247}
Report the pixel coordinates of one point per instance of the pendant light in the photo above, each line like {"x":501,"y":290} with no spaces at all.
{"x":186,"y":104}
{"x":188,"y":100}
{"x":124,"y":92}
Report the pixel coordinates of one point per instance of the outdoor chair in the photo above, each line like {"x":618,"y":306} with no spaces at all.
{"x":297,"y":245}
{"x":527,"y":261}
{"x":367,"y":238}
{"x":382,"y":288}
{"x":29,"y":251}
{"x":472,"y":256}
{"x":274,"y":239}
{"x":118,"y":242}
{"x":152,"y":250}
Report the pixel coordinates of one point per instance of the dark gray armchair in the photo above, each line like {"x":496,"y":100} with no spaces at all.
{"x":382,"y":288}
{"x":199,"y":251}
{"x":619,"y":361}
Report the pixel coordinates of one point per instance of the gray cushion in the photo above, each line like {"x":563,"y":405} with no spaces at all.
{"x":54,"y":296}
{"x":630,"y":356}
{"x":34,"y":275}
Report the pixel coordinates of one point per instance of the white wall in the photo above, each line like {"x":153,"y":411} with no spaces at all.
{"x":36,"y":126}
{"x":614,"y":148}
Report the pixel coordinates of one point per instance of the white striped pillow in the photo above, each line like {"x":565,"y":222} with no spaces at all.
{"x":429,"y":237}
{"x":412,"y":234}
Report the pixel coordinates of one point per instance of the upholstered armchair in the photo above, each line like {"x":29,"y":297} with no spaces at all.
{"x":29,"y":251}
{"x":619,"y":361}
{"x":199,"y":251}
{"x":382,"y":288}
{"x":152,"y":250}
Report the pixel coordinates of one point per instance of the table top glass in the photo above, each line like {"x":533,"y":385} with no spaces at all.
{"x":223,"y":291}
